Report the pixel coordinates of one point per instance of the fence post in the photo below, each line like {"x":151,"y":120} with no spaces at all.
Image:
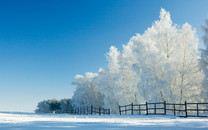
{"x":155,"y":108}
{"x":120,"y":109}
{"x":146,"y":108}
{"x":174,"y":110}
{"x":197,"y":107}
{"x":99,"y":111}
{"x":139,"y":110}
{"x":132,"y":107}
{"x":186,"y":109}
{"x":164,"y":107}
{"x":125,"y":110}
{"x":91,"y":110}
{"x":109,"y":111}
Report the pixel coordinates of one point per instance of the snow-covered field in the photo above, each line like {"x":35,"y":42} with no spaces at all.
{"x":30,"y":121}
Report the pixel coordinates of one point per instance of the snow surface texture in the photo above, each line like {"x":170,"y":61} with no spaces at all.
{"x":31,"y":121}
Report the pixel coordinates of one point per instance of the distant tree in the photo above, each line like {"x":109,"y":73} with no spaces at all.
{"x":65,"y":105}
{"x":43,"y":107}
{"x":54,"y":105}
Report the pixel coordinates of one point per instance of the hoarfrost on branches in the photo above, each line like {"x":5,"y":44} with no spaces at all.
{"x":161,"y":64}
{"x":204,"y":59}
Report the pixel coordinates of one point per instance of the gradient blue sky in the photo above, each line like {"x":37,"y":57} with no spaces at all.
{"x":45,"y":43}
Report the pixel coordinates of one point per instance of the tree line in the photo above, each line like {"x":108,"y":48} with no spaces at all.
{"x":54,"y":106}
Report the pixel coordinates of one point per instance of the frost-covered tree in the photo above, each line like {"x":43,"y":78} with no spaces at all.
{"x":54,"y":106}
{"x":161,"y":64}
{"x":86,"y":92}
{"x":48,"y":106}
{"x":168,"y":58}
{"x":204,"y":59}
{"x":65,"y":106}
{"x":43,"y":107}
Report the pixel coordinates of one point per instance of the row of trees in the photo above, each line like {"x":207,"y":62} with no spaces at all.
{"x":54,"y":106}
{"x":164,"y":63}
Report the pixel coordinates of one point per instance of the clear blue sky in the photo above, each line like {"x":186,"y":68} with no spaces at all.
{"x":45,"y":43}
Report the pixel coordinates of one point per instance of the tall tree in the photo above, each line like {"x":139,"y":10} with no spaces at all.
{"x":204,"y":59}
{"x":86,"y":92}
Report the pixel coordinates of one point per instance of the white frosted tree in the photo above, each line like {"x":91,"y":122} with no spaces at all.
{"x":169,"y":60}
{"x":204,"y":60}
{"x":86,"y":93}
{"x":161,"y":64}
{"x":65,"y":105}
{"x":106,"y":79}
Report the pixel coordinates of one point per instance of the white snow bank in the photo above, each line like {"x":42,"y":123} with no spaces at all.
{"x":63,"y":121}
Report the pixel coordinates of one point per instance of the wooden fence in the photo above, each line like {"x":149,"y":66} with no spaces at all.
{"x":90,"y":111}
{"x":163,"y":108}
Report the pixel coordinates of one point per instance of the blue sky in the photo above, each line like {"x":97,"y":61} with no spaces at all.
{"x":44,"y":44}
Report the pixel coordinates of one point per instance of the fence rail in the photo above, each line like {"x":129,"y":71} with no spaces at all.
{"x":89,"y":110}
{"x":163,"y":108}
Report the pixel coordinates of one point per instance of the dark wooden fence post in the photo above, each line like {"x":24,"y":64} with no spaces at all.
{"x":155,"y":108}
{"x":146,"y":108}
{"x":99,"y":111}
{"x":125,"y":110}
{"x":132,"y":108}
{"x":186,"y":109}
{"x":164,"y":107}
{"x":120,"y":109}
{"x":139,"y":110}
{"x":91,"y":110}
{"x":174,"y":110}
{"x":197,"y":109}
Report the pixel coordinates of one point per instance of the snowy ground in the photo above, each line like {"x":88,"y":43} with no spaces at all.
{"x":30,"y":121}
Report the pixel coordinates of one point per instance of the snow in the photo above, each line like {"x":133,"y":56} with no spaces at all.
{"x":31,"y":121}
